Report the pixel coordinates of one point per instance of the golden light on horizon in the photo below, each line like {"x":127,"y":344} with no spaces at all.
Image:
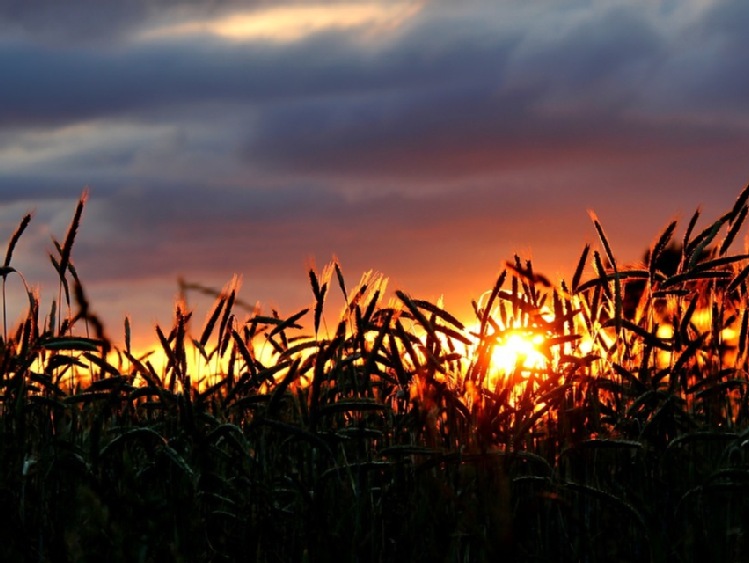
{"x":513,"y":351}
{"x":518,"y":350}
{"x":292,"y":23}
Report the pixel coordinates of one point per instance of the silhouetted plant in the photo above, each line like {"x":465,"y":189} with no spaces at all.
{"x":391,"y":431}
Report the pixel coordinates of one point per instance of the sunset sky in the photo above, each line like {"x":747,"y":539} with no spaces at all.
{"x":426,"y":140}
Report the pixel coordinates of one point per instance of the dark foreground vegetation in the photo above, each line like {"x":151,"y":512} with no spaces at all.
{"x":388,"y":434}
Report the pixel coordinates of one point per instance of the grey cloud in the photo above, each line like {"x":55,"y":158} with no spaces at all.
{"x":72,"y":84}
{"x":583,"y":94}
{"x":728,"y":18}
{"x":608,"y":62}
{"x":14,"y":189}
{"x":69,"y":85}
{"x":717,"y":43}
{"x":19,"y":188}
{"x":465,"y":132}
{"x":594,"y":63}
{"x":97,"y":22}
{"x":466,"y":101}
{"x":81,"y":20}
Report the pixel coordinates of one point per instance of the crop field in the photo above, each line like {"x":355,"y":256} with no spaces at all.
{"x":604,"y":418}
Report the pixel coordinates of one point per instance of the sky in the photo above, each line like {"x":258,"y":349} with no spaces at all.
{"x":427,"y":140}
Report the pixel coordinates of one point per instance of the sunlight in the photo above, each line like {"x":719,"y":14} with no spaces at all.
{"x":666,"y":333}
{"x":203,"y":369}
{"x":293,"y":23}
{"x":513,"y":350}
{"x":518,"y":350}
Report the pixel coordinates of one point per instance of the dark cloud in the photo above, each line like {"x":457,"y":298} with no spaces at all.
{"x":495,"y":105}
{"x":98,"y":22}
{"x":81,"y":20}
{"x":15,"y":189}
{"x":469,"y":101}
{"x":462,"y":132}
{"x":601,"y":46}
{"x":727,"y":19}
{"x":715,"y":75}
{"x":432,"y":153}
{"x":66,"y":85}
{"x":59,"y":86}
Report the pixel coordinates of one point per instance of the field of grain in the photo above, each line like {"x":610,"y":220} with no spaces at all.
{"x":604,"y":419}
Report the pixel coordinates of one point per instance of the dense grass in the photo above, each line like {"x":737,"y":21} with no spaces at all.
{"x":389,"y":433}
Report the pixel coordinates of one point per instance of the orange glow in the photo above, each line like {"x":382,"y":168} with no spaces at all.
{"x":293,"y":23}
{"x":666,"y":333}
{"x":204,"y":370}
{"x":518,"y":350}
{"x":512,"y":351}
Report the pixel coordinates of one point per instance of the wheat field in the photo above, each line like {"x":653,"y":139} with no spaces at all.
{"x":391,"y":430}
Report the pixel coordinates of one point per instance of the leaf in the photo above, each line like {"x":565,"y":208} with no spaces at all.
{"x":299,"y":432}
{"x":736,"y":223}
{"x":697,"y":247}
{"x":693,"y":275}
{"x":70,"y":236}
{"x":291,"y":322}
{"x":70,"y":343}
{"x":6,"y":269}
{"x":408,"y":450}
{"x":738,"y":280}
{"x":105,"y":366}
{"x":649,"y":337}
{"x":439,"y":312}
{"x":579,"y":269}
{"x":604,"y":239}
{"x":353,"y":405}
{"x":143,"y":435}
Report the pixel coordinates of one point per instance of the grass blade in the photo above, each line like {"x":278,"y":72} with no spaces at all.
{"x":67,"y":247}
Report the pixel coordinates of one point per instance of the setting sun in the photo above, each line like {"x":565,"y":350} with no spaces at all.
{"x":517,"y":350}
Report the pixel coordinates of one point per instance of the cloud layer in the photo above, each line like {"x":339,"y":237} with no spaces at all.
{"x":424,"y":139}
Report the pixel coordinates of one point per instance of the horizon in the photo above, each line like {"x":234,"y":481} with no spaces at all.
{"x":198,"y":300}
